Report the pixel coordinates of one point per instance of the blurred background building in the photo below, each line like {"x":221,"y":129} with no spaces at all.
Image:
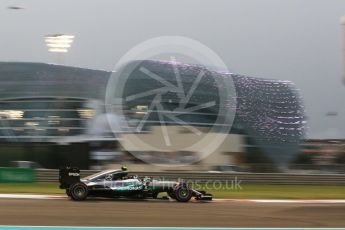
{"x":55,"y":115}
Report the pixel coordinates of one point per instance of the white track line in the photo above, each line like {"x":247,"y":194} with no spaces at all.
{"x":302,"y":201}
{"x":294,"y":201}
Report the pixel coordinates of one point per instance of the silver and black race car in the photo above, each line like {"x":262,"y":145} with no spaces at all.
{"x":119,"y":184}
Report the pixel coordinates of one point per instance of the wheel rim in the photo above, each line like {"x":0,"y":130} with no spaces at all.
{"x":183,"y":193}
{"x":79,"y":191}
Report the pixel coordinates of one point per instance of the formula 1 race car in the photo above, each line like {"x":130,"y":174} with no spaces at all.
{"x":118,"y":184}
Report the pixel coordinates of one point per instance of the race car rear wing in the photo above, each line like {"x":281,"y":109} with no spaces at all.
{"x":68,"y":176}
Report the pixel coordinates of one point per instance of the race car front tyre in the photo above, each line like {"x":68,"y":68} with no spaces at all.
{"x":183,"y":193}
{"x":78,"y":191}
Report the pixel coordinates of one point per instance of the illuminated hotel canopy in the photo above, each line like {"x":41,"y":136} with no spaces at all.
{"x":42,"y":102}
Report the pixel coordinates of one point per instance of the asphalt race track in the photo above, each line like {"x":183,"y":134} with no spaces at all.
{"x":103,"y":212}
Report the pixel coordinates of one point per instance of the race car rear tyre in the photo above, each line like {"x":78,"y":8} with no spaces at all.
{"x":183,"y":193}
{"x":78,"y":191}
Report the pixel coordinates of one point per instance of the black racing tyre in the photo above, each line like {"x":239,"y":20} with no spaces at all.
{"x":171,"y":194}
{"x":183,"y":193}
{"x":68,"y":193}
{"x":78,"y":191}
